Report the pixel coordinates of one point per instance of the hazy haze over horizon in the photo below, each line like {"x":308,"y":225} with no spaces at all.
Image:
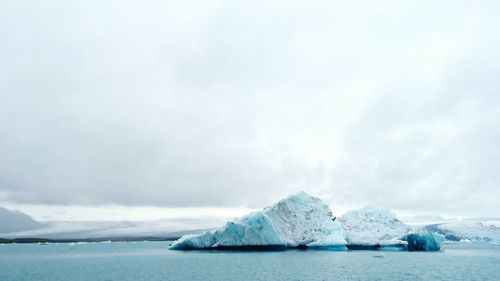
{"x":151,"y":109}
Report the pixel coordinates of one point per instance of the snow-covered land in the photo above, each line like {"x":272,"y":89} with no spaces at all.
{"x":299,"y":220}
{"x":373,"y":227}
{"x":464,"y":230}
{"x":69,"y":230}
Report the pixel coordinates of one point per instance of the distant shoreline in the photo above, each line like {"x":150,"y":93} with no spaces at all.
{"x":89,"y":240}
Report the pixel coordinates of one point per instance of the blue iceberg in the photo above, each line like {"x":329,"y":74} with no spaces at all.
{"x":422,"y":240}
{"x":303,"y":221}
{"x":298,"y":221}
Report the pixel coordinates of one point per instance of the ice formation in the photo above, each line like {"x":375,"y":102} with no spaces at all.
{"x":299,"y":220}
{"x":373,"y":228}
{"x":422,"y":240}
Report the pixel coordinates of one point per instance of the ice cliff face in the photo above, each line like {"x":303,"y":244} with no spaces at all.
{"x":296,"y":221}
{"x":373,"y":227}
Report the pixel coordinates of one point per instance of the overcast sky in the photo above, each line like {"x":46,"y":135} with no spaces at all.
{"x":158,"y":107}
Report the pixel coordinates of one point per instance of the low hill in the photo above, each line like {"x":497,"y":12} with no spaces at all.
{"x":14,"y":221}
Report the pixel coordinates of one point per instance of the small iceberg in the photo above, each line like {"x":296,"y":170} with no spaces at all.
{"x":374,"y":228}
{"x":422,"y":240}
{"x":298,"y":221}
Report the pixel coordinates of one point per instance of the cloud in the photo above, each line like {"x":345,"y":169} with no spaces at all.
{"x":237,"y":104}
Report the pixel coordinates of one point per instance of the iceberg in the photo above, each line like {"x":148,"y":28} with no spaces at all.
{"x":298,"y":221}
{"x":303,"y":221}
{"x":422,"y":240}
{"x":374,"y":228}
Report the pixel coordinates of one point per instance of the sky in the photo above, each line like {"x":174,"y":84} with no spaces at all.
{"x":151,"y":109}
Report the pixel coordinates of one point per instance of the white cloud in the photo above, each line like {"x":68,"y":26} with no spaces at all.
{"x":237,"y":104}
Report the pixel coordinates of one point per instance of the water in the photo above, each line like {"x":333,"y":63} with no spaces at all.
{"x":152,"y":261}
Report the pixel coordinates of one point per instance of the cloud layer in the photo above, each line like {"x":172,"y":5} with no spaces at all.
{"x":237,"y":104}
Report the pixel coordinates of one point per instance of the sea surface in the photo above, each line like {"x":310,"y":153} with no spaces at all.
{"x":137,"y":261}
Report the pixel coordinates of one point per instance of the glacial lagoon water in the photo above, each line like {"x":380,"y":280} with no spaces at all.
{"x":152,"y":261}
